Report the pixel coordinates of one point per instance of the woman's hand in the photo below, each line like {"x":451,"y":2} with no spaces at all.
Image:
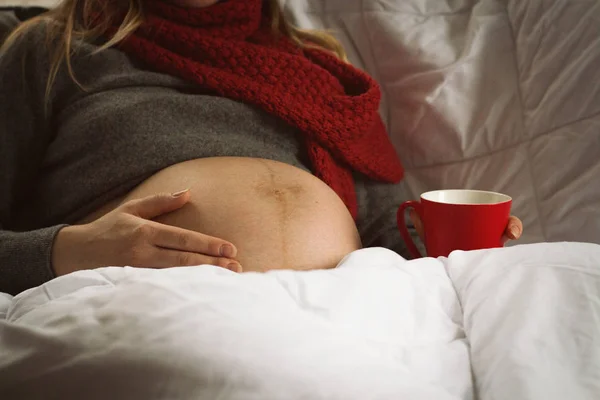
{"x":127,"y":237}
{"x":513,"y":231}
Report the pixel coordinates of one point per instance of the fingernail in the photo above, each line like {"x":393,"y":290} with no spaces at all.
{"x":514,"y":231}
{"x":234,"y":267}
{"x":227,"y":250}
{"x":181,"y":192}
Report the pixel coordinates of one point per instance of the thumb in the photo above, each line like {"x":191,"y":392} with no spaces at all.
{"x":152,"y":206}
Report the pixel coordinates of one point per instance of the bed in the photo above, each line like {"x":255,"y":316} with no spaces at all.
{"x":488,"y":94}
{"x":514,"y":323}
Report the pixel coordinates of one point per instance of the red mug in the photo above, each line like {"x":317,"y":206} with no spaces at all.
{"x":457,"y":220}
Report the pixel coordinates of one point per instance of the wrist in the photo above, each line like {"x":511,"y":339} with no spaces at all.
{"x":67,"y":247}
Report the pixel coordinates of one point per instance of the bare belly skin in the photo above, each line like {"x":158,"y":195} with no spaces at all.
{"x":278,"y":216}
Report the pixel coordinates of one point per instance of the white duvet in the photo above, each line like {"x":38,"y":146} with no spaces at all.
{"x":515,"y":323}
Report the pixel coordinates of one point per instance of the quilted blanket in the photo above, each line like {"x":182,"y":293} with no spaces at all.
{"x":521,"y":323}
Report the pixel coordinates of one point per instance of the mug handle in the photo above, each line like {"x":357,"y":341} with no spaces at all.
{"x":418,"y":207}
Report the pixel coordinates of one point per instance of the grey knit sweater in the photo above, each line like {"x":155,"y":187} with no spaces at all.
{"x":61,"y":160}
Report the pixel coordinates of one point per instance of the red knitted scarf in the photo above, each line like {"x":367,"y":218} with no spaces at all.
{"x":229,"y":49}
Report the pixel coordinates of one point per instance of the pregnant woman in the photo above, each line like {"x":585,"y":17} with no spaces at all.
{"x":166,"y":133}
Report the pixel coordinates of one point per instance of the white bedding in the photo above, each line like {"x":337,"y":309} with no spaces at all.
{"x":515,"y":323}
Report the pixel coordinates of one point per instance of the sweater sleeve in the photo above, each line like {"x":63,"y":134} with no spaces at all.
{"x":378,"y":204}
{"x":25,"y":257}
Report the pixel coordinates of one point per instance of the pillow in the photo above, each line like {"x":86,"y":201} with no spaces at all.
{"x":486,"y":94}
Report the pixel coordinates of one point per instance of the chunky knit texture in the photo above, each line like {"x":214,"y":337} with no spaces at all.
{"x":229,"y":50}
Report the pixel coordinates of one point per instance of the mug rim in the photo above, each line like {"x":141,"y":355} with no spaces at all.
{"x":506,"y":197}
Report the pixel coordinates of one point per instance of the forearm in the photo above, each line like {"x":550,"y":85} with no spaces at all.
{"x":26,"y":259}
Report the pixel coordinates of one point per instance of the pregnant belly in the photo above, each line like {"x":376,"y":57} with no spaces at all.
{"x":278,"y":216}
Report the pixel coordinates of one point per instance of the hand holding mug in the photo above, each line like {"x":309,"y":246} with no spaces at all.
{"x":448,"y":220}
{"x":513,"y":231}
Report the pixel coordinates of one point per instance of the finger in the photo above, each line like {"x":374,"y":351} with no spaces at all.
{"x":514,"y":229}
{"x":175,"y":238}
{"x":153,"y":206}
{"x":414,"y":217}
{"x":167,"y":258}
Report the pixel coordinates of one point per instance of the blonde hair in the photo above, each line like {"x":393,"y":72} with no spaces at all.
{"x":73,"y":20}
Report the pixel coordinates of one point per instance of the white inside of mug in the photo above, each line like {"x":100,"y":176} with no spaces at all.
{"x":465,"y":197}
